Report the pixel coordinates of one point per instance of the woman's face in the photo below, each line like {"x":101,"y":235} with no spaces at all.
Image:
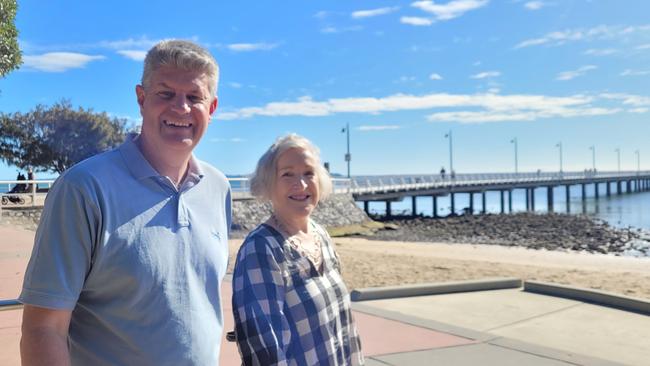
{"x":295,"y":191}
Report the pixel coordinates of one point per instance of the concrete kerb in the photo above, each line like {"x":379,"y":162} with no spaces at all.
{"x":391,"y":292}
{"x":588,"y":295}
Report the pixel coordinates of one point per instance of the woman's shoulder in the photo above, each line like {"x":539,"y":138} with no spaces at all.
{"x":262,"y":238}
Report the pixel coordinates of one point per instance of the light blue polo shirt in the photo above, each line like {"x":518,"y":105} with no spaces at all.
{"x":138,"y":262}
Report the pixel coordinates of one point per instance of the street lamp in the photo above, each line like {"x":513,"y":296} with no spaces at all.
{"x":514,"y":141}
{"x":618,"y":156}
{"x":559,"y":146}
{"x":348,"y":157}
{"x":638,"y":161}
{"x":593,"y":156}
{"x":451,"y":156}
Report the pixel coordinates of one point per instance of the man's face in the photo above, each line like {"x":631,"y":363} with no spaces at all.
{"x":176,"y":108}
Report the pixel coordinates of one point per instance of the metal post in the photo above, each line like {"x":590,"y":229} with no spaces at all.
{"x":451,"y":154}
{"x":503,"y":209}
{"x":618,"y":158}
{"x":366,"y":207}
{"x":510,"y":200}
{"x":453,"y":203}
{"x":593,"y":157}
{"x":348,"y":157}
{"x":559,"y":145}
{"x":532,"y":199}
{"x":388,"y":213}
{"x":514,"y":141}
{"x":638,"y":161}
{"x":549,"y":198}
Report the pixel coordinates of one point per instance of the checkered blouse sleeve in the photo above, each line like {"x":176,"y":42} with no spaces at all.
{"x":261,"y":327}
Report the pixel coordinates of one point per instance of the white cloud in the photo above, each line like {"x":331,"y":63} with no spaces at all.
{"x":485,"y":74}
{"x":321,"y":14}
{"x":248,"y":47}
{"x":373,"y":12}
{"x":58,"y":61}
{"x":643,"y":46}
{"x":629,"y":72}
{"x":478,"y":108}
{"x":406,"y":79}
{"x":130,"y":43}
{"x":332,"y":30}
{"x":534,"y":5}
{"x":233,"y":139}
{"x":235,"y":85}
{"x":568,"y":75}
{"x":452,"y":9}
{"x":435,"y":76}
{"x":417,"y":21}
{"x":628,"y":99}
{"x":639,"y":110}
{"x":601,"y":52}
{"x":574,"y":35}
{"x":378,"y":128}
{"x":133,"y":54}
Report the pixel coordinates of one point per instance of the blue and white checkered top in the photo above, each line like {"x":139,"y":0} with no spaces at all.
{"x":286,"y":312}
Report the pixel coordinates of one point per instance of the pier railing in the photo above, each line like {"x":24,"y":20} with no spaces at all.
{"x":33,"y":192}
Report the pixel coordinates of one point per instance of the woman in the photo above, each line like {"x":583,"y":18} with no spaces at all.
{"x":290,"y":304}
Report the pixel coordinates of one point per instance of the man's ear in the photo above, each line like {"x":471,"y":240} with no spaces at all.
{"x":140,"y":94}
{"x":213,"y":105}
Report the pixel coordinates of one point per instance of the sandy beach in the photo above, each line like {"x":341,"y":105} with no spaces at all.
{"x":368,"y":263}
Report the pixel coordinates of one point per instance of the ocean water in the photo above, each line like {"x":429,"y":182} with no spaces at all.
{"x":623,"y":211}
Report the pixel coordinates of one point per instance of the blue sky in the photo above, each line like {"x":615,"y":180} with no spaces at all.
{"x":402,"y":74}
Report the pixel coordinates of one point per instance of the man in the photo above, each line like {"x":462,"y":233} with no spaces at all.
{"x":132,"y":245}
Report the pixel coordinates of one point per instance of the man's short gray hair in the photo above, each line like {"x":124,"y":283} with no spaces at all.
{"x":184,"y":55}
{"x":263,"y":180}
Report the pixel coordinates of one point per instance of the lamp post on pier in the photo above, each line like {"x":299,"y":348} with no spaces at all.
{"x":559,"y":146}
{"x":638,"y":161}
{"x":593,"y":157}
{"x":451,"y":156}
{"x":618,"y":158}
{"x":348,"y":157}
{"x":514,"y":141}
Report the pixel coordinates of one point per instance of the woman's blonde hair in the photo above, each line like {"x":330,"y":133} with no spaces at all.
{"x":263,"y":179}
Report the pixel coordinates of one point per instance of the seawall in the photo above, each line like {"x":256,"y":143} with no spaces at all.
{"x":337,"y":211}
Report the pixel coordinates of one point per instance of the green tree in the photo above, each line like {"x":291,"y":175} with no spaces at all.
{"x":10,"y":57}
{"x":55,"y":138}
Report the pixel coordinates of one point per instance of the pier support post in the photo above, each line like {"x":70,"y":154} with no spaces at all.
{"x":414,"y":208}
{"x":549,"y":198}
{"x":532,"y":199}
{"x":503,"y":206}
{"x":388,"y":213}
{"x":629,"y":186}
{"x":366,"y":207}
{"x":618,"y":187}
{"x":471,"y":203}
{"x":584,"y":192}
{"x":483,"y":209}
{"x":510,"y":200}
{"x":596,"y":190}
{"x":453,"y":203}
{"x":609,"y":189}
{"x":568,"y":198}
{"x":527,"y":199}
{"x":435,"y":207}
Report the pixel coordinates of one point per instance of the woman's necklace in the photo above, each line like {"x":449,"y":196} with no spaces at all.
{"x":309,"y":249}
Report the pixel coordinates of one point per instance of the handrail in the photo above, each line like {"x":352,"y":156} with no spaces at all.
{"x":10,"y":305}
{"x":382,"y":183}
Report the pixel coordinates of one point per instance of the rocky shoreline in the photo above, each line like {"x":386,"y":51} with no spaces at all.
{"x":531,"y":230}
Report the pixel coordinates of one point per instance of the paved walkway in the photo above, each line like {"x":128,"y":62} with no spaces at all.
{"x":498,"y":327}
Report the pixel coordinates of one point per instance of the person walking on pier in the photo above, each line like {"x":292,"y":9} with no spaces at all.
{"x":290,"y":304}
{"x":132,"y":245}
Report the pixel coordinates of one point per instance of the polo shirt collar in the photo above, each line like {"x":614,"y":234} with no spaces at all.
{"x":140,"y":167}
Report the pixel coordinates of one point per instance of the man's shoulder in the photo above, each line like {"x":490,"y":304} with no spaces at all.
{"x":93,"y":168}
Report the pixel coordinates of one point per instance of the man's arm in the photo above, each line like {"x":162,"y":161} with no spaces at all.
{"x":45,"y":337}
